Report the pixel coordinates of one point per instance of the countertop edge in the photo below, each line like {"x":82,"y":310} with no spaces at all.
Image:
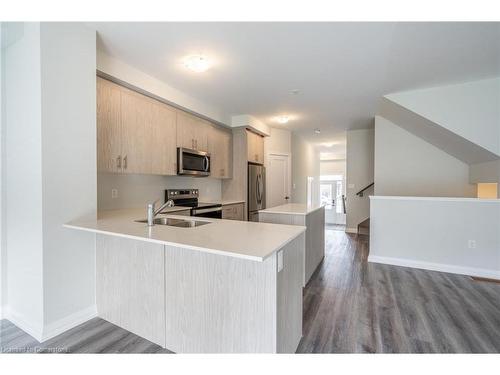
{"x":190,"y":247}
{"x":270,"y":211}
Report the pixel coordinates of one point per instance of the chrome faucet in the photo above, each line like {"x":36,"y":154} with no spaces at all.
{"x":152,"y":212}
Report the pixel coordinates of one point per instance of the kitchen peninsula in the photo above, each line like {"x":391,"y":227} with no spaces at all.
{"x":223,"y":286}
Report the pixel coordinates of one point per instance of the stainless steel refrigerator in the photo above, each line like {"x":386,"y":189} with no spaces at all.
{"x":256,"y":190}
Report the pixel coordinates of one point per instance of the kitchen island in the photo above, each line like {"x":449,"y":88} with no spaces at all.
{"x":225,"y":286}
{"x":310,"y":216}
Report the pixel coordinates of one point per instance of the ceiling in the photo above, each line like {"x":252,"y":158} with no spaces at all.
{"x":340,"y":69}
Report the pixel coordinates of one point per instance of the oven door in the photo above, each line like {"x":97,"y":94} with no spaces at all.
{"x":193,"y":162}
{"x":212,"y":212}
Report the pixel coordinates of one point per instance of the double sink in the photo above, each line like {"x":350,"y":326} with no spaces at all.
{"x":180,"y":223}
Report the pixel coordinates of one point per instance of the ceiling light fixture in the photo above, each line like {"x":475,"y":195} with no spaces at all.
{"x":282,"y":119}
{"x":197,"y":63}
{"x":317,"y":131}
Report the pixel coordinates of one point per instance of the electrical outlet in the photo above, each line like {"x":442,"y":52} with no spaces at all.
{"x":471,"y":244}
{"x":114,"y":193}
{"x":294,"y":186}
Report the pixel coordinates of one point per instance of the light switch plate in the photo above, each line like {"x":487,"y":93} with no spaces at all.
{"x":114,"y":193}
{"x":280,"y":260}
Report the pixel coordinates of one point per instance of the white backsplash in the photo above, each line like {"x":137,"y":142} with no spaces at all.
{"x":135,"y":191}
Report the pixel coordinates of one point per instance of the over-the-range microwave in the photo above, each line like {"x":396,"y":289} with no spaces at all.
{"x":193,"y":162}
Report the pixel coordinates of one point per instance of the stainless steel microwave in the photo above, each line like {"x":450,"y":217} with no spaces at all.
{"x":193,"y":162}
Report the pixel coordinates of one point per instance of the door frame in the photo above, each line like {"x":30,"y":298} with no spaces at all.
{"x":268,"y":155}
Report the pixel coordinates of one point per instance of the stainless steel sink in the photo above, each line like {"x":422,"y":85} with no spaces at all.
{"x":181,"y":223}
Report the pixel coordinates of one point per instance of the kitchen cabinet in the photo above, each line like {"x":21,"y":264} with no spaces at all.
{"x":220,"y":149}
{"x":255,"y":148}
{"x":136,"y":132}
{"x":192,"y":132}
{"x":109,"y":150}
{"x":163,"y":140}
{"x":233,"y":211}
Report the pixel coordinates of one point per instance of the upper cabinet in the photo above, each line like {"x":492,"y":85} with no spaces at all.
{"x":163,"y":142}
{"x":192,"y":132}
{"x":138,"y":134}
{"x":109,"y":149}
{"x":135,"y":132}
{"x":255,"y":147}
{"x":221,"y":150}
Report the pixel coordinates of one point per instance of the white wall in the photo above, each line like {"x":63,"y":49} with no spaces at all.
{"x":471,"y":110}
{"x":135,"y":191}
{"x":305,"y":163}
{"x":434,"y":233}
{"x":69,"y":167}
{"x":50,"y":176}
{"x":359,"y":174}
{"x":279,"y":141}
{"x":333,"y":167}
{"x":406,"y":165}
{"x":3,"y":255}
{"x":22,"y":182}
{"x":485,"y":172}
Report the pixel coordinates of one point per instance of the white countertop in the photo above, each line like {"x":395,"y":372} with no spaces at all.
{"x":240,"y":239}
{"x":292,"y":209}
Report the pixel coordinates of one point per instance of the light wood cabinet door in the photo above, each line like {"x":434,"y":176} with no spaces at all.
{"x":192,"y":132}
{"x":136,"y":132}
{"x":201,"y":131}
{"x":233,"y":212}
{"x":108,"y":127}
{"x":163,"y":140}
{"x":255,"y":147}
{"x":220,"y":149}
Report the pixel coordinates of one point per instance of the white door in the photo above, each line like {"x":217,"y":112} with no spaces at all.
{"x":278,"y":180}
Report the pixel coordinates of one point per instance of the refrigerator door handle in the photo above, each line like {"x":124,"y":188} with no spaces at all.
{"x":257,"y":188}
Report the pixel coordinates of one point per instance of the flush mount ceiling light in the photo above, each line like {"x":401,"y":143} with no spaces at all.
{"x":317,"y":131}
{"x":283,"y":119}
{"x":197,"y":63}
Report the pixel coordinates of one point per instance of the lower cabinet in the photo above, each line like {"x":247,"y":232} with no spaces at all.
{"x":233,"y":211}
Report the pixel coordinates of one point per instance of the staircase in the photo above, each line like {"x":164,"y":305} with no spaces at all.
{"x":364,"y":227}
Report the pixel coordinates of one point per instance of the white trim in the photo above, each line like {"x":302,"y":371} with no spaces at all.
{"x":42,"y":334}
{"x":449,"y":268}
{"x":22,"y":323}
{"x":444,"y":199}
{"x":62,"y":325}
{"x":351,"y":230}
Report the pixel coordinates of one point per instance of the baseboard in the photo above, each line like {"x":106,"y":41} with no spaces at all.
{"x":62,"y":325}
{"x":468,"y":271}
{"x":41,"y":333}
{"x":351,"y":230}
{"x":22,"y":323}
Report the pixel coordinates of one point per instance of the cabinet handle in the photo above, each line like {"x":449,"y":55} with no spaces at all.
{"x":119,"y":162}
{"x":125,"y":162}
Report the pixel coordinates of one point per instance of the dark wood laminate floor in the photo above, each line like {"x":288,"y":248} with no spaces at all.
{"x":94,"y":336}
{"x":350,"y":306}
